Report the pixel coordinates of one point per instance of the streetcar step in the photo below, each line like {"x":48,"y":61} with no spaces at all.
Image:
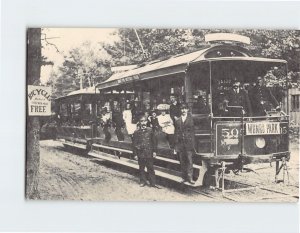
{"x":159,"y":171}
{"x":130,"y":152}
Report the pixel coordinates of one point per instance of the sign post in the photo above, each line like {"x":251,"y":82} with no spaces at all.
{"x":39,"y":101}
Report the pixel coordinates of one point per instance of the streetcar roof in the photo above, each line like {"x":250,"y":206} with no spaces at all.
{"x":84,"y":91}
{"x":178,"y":64}
{"x":156,"y":65}
{"x":254,"y":59}
{"x":87,"y":90}
{"x":173,"y":61}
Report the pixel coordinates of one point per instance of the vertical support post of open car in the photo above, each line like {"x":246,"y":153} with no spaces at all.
{"x":210,"y":109}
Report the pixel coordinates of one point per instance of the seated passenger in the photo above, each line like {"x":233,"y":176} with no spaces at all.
{"x":237,"y":97}
{"x":154,"y":121}
{"x":146,"y":114}
{"x":166,"y":123}
{"x":117,"y":121}
{"x":262,"y":99}
{"x":199,"y":105}
{"x":105,"y":122}
{"x":175,"y":112}
{"x":136,"y":111}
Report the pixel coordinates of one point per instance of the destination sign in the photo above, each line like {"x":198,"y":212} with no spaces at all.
{"x":262,"y":128}
{"x":128,"y":79}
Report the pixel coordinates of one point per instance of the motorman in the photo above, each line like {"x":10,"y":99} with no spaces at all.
{"x":262,"y":99}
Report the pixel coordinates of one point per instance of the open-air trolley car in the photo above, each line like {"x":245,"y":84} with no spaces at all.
{"x":227,"y":137}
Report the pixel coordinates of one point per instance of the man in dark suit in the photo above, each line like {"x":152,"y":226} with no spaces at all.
{"x":144,"y":146}
{"x":262,"y":99}
{"x":174,"y":108}
{"x":185,"y":143}
{"x":117,"y":121}
{"x":238,"y":97}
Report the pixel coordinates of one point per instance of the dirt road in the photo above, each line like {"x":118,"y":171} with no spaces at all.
{"x":69,"y":176}
{"x":65,"y":175}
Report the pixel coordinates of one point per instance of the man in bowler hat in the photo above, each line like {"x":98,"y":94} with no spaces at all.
{"x":185,"y":143}
{"x":237,"y":97}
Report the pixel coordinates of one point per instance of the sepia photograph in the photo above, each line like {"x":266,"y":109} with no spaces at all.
{"x":162,"y":114}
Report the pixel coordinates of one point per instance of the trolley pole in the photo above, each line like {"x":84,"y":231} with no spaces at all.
{"x":140,"y":43}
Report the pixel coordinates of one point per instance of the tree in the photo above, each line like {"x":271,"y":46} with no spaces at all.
{"x":163,"y":43}
{"x":34,"y":60}
{"x":83,"y":67}
{"x":91,"y":62}
{"x":157,"y":44}
{"x":281,"y":44}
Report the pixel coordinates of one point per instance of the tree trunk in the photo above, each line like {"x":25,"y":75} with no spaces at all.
{"x":33,"y":122}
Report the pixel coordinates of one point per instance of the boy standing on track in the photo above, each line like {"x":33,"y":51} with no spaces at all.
{"x":144,"y":147}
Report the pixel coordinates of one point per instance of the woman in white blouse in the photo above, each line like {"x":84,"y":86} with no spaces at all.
{"x":127,"y":117}
{"x":167,"y":125}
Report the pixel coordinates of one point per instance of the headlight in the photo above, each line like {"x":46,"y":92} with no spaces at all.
{"x":260,"y":142}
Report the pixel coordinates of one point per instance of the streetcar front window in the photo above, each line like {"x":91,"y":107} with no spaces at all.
{"x":248,"y":88}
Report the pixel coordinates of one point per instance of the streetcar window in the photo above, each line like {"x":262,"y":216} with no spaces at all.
{"x":295,"y":103}
{"x":171,"y":85}
{"x":198,"y":90}
{"x":146,"y":101}
{"x":87,"y":110}
{"x":154,"y":89}
{"x":63,"y":110}
{"x":98,"y":107}
{"x":76,"y":108}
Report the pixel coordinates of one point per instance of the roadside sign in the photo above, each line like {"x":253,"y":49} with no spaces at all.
{"x":39,"y":100}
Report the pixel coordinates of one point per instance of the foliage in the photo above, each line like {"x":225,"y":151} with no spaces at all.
{"x":281,"y":44}
{"x":157,"y":44}
{"x":88,"y":63}
{"x":93,"y":62}
{"x":160,"y":43}
{"x":163,"y":43}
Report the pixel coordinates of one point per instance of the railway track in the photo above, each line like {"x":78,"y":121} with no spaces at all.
{"x":244,"y":192}
{"x":235,"y":190}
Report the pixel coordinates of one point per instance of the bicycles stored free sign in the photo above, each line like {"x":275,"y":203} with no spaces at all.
{"x":39,"y":101}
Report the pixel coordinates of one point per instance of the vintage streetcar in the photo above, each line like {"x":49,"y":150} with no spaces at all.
{"x":230,"y":132}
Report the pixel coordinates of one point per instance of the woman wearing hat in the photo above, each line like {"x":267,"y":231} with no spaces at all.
{"x":106,"y":122}
{"x":166,"y":123}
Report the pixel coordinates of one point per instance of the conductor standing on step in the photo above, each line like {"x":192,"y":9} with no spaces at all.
{"x":185,"y":143}
{"x":144,"y":146}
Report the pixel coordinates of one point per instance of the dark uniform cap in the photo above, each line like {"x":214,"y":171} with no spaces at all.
{"x":141,"y":116}
{"x":184,"y":105}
